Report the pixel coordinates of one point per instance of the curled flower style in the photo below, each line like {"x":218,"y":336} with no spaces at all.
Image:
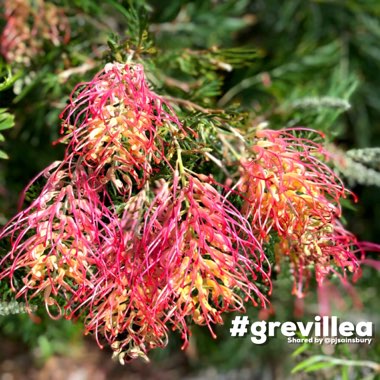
{"x":289,"y":190}
{"x":130,"y":305}
{"x":127,"y":308}
{"x":114,"y":123}
{"x":58,"y":242}
{"x":29,"y":26}
{"x":211,"y":259}
{"x":323,"y":248}
{"x":189,"y":257}
{"x":120,"y":314}
{"x":285,"y":183}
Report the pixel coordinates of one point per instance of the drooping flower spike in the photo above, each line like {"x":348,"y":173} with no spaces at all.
{"x":113,"y":124}
{"x":59,"y":241}
{"x":289,"y":190}
{"x":129,"y":305}
{"x":190,"y":258}
{"x":284,"y":177}
{"x":212,"y":260}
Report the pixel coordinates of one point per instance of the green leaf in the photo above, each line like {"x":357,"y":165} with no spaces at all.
{"x":119,"y":8}
{"x":318,"y":366}
{"x":300,"y":349}
{"x":3,"y":155}
{"x":321,"y":361}
{"x":307,"y":363}
{"x":6,"y":119}
{"x":7,"y":78}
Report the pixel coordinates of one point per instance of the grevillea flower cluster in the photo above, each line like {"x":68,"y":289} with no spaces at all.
{"x":289,"y":190}
{"x":125,"y":236}
{"x":113,"y":124}
{"x":30,"y":24}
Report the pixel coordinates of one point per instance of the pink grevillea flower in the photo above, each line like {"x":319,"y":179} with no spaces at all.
{"x":113,"y":123}
{"x":71,"y":244}
{"x":327,"y":249}
{"x":189,"y":256}
{"x":211,"y":260}
{"x":59,"y":243}
{"x":121,"y":311}
{"x":121,"y":315}
{"x":289,"y":190}
{"x":29,"y":26}
{"x":131,"y":304}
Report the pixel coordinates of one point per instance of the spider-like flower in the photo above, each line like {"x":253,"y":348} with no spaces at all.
{"x":189,"y":257}
{"x":211,"y":259}
{"x":116,"y":123}
{"x":127,"y":307}
{"x":58,"y":244}
{"x":71,"y":244}
{"x":120,"y":313}
{"x":29,"y":26}
{"x":290,"y":191}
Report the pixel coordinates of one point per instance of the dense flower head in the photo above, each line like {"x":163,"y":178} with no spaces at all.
{"x":120,"y":315}
{"x":289,"y":190}
{"x":283,"y":179}
{"x":211,"y":257}
{"x":113,"y":123}
{"x":221,"y":259}
{"x":188,"y":258}
{"x":60,"y":239}
{"x":73,"y":244}
{"x":28,"y":26}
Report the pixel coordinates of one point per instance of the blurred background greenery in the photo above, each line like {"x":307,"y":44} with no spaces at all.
{"x":312,"y":63}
